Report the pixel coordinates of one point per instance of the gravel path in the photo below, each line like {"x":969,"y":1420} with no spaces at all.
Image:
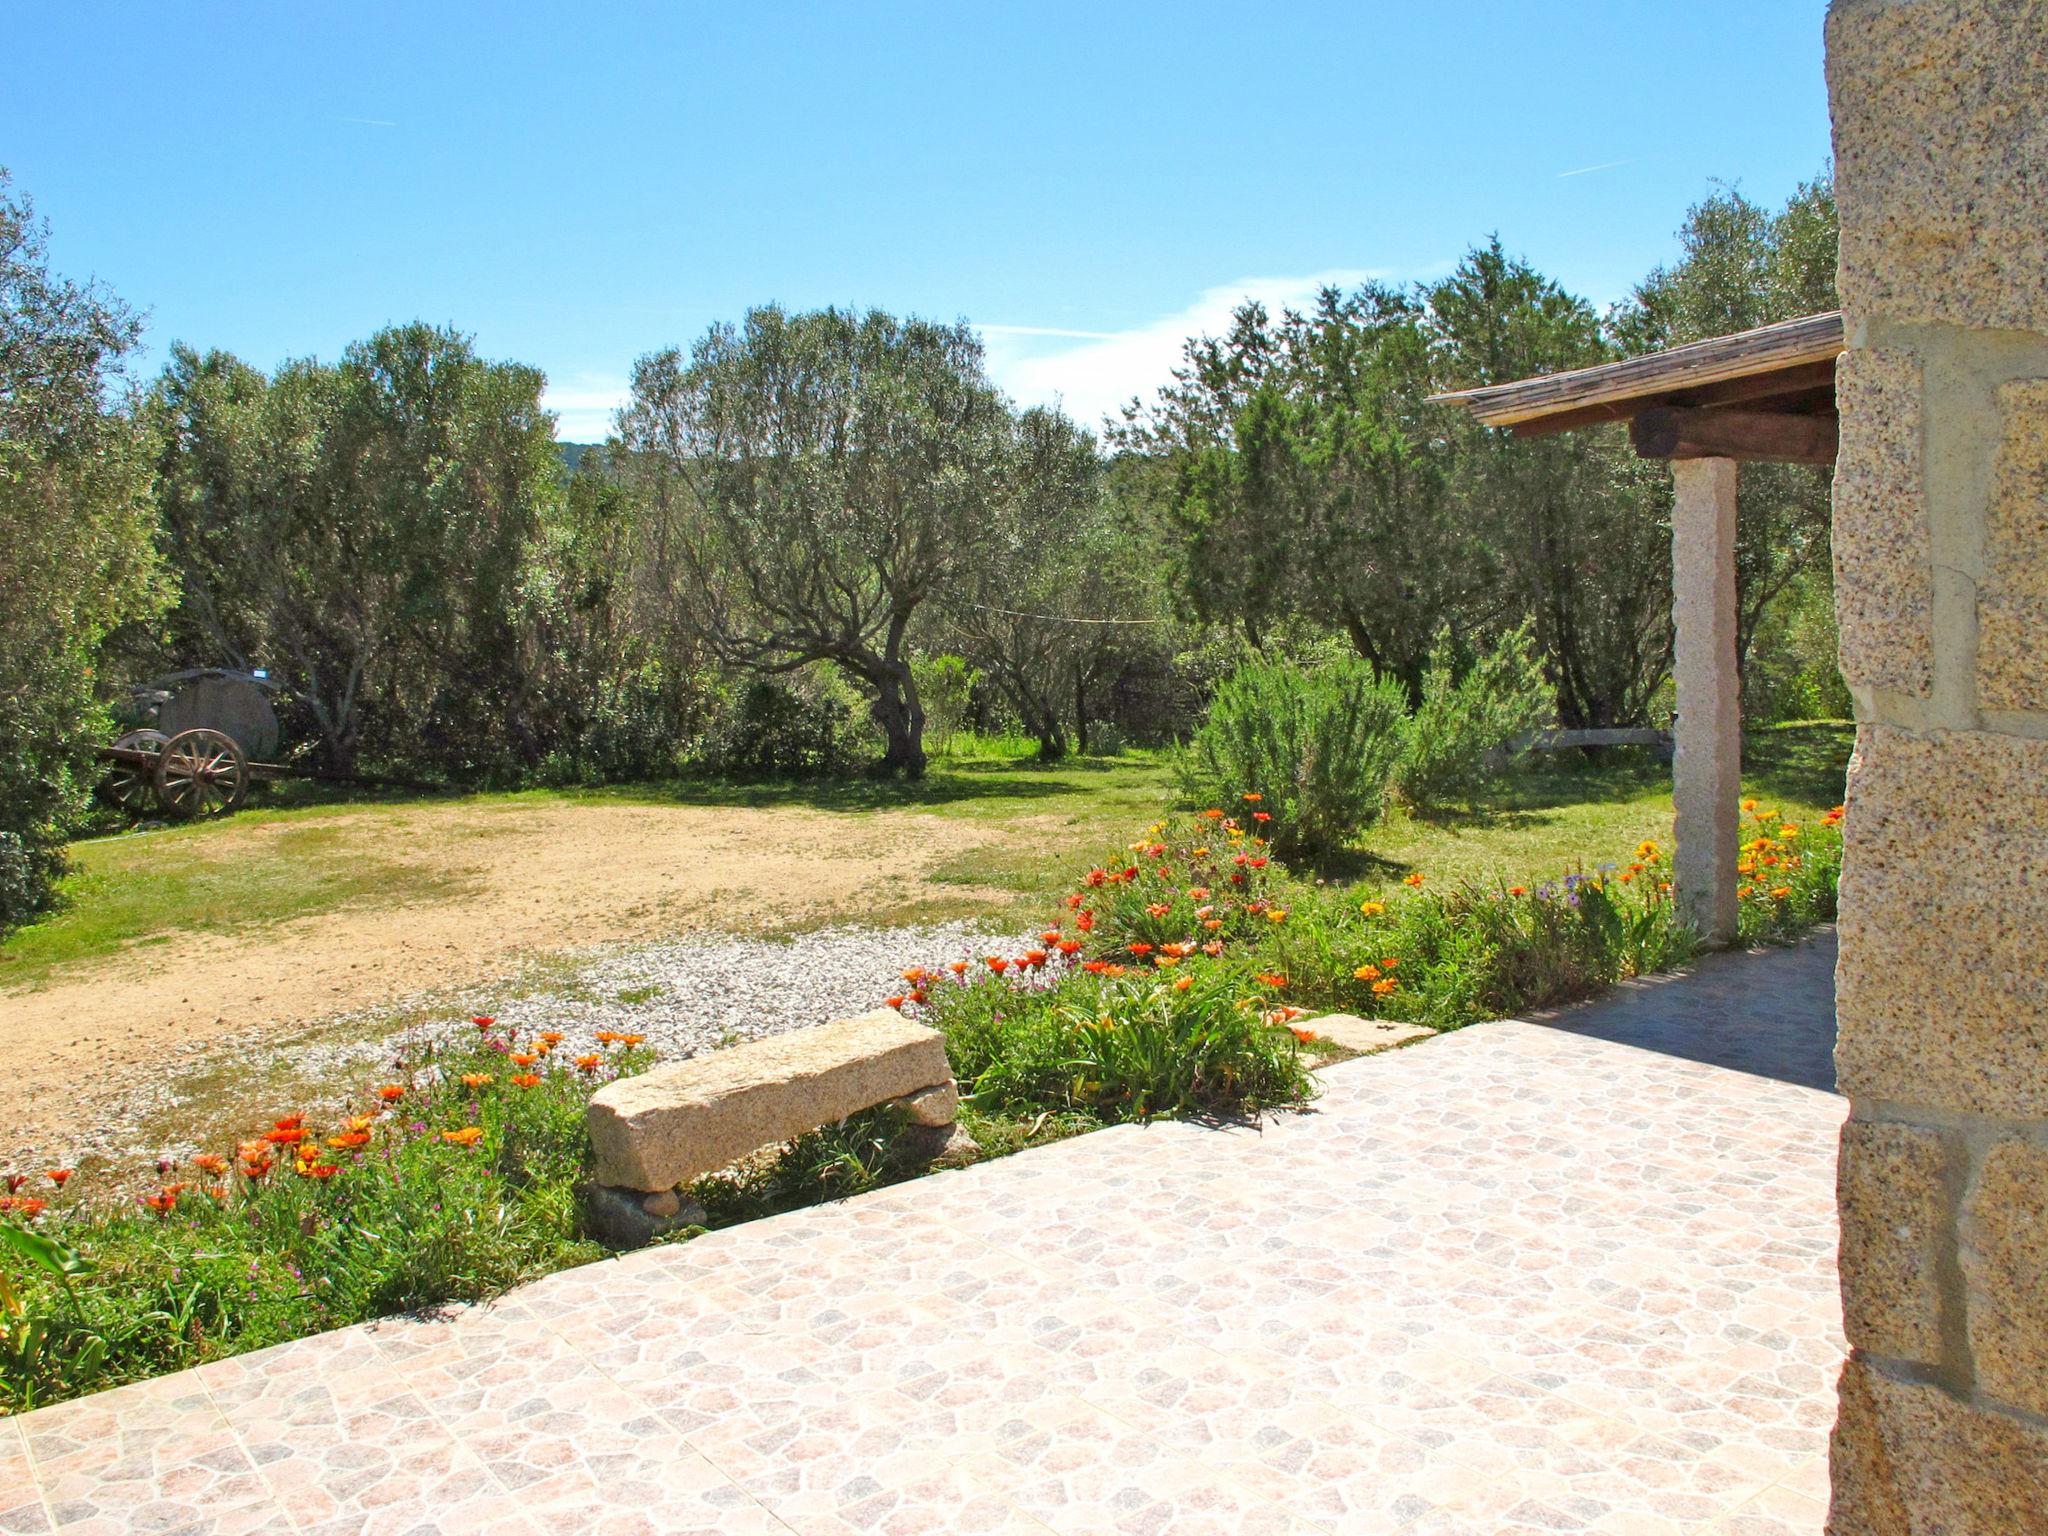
{"x":686,"y":996}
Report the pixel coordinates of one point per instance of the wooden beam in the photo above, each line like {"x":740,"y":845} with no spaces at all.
{"x":1718,"y":432}
{"x":1766,"y":350}
{"x":1806,"y":387}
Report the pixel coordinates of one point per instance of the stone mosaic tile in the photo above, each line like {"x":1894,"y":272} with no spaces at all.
{"x":1575,"y":1275}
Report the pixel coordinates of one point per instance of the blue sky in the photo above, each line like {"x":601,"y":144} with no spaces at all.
{"x":577,"y":185}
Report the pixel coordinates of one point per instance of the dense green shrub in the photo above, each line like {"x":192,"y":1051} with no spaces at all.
{"x":76,"y":552}
{"x":1128,"y":1047}
{"x":770,"y":731}
{"x":1317,"y":744}
{"x":1457,"y":738}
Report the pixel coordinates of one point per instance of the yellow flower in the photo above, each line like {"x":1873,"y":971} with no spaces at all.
{"x":1367,"y":973}
{"x":1276,"y":914}
{"x":1372,"y":908}
{"x":1648,"y":851}
{"x":1749,"y":805}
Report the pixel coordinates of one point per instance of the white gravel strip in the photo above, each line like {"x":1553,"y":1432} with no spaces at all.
{"x":687,"y":996}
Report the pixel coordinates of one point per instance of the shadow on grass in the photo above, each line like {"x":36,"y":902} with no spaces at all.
{"x":946,"y":783}
{"x":1803,"y":760}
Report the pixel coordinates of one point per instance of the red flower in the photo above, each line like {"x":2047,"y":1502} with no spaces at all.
{"x":1095,"y":877}
{"x":893,"y":1002}
{"x":1141,"y":949}
{"x":998,"y":964}
{"x":1085,"y":921}
{"x":1069,"y":946}
{"x":1050,"y":936}
{"x":483,"y":1021}
{"x":1261,"y":816}
{"x":59,"y":1175}
{"x":391,"y":1093}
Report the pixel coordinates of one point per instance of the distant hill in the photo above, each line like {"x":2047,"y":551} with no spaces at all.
{"x":572,"y":453}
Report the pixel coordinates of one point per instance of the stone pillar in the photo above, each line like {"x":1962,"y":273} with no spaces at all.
{"x":1941,"y":579}
{"x":1706,"y":776}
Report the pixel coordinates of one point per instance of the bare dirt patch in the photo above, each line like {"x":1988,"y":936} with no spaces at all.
{"x":511,"y":881}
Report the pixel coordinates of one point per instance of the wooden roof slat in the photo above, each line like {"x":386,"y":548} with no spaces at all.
{"x":1613,"y":391}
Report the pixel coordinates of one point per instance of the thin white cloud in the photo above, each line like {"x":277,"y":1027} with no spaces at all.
{"x":584,"y":405}
{"x":1587,"y":170}
{"x":366,"y":122}
{"x":1089,"y":374}
{"x":1099,"y":371}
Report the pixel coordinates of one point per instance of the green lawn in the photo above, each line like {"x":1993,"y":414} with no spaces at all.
{"x":294,"y":860}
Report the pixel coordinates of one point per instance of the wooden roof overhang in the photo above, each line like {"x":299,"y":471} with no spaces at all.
{"x":1766,"y":395}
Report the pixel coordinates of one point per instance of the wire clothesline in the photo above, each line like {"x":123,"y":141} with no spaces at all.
{"x":1056,"y":618}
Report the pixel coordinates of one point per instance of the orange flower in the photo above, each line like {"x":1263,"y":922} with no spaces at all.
{"x":1070,"y":946}
{"x":1198,"y":893}
{"x":894,"y":1002}
{"x":58,"y":1176}
{"x":1518,"y":890}
{"x":1367,"y":973}
{"x":1253,"y":798}
{"x":210,"y":1162}
{"x":629,"y":1041}
{"x":589,"y":1063}
{"x":526,"y":1080}
{"x":286,"y":1138}
{"x":1095,"y":967}
{"x":1383,"y":986}
{"x":958,"y":967}
{"x":1303,"y":1035}
{"x":1113,"y":970}
{"x":1213,"y":948}
{"x":1779,"y":893}
{"x":524,"y":1059}
{"x":468,"y":1136}
{"x":163,"y":1202}
{"x":476,"y":1079}
{"x":1181,"y":984}
{"x":1141,"y":949}
{"x":1095,"y":877}
{"x":288,"y":1123}
{"x":609,"y":1037}
{"x":998,"y":964}
{"x":1273,"y":978}
{"x":1276,"y":915}
{"x":1033,"y":958}
{"x":255,"y":1167}
{"x":1158,"y":909}
{"x":349,"y":1139}
{"x":1085,"y":921}
{"x":1212,"y":814}
{"x":1050,"y":936}
{"x":1414,"y":879}
{"x":320,"y":1171}
{"x":391,"y":1093}
{"x":24,"y":1206}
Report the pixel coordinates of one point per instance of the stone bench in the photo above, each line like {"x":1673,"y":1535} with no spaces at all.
{"x":664,"y":1128}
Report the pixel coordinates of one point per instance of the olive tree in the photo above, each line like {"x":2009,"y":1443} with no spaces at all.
{"x":76,"y":553}
{"x":817,"y":479}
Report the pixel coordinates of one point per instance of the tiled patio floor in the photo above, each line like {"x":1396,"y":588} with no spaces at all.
{"x":1521,"y":1278}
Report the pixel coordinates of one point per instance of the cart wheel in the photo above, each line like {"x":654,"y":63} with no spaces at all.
{"x":128,"y":786}
{"x":201,"y":773}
